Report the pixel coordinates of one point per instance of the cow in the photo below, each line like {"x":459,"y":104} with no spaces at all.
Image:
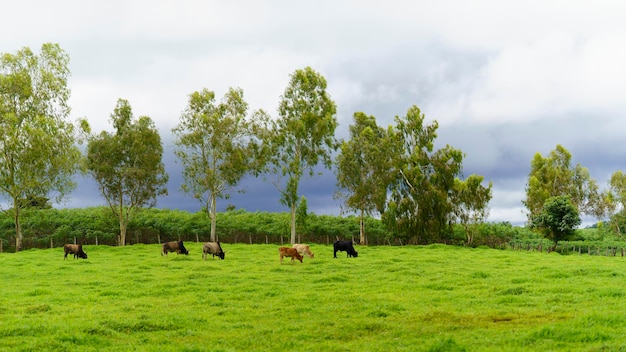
{"x":213,"y":248}
{"x":345,"y":246}
{"x":303,"y":249}
{"x":76,"y":249}
{"x":289,"y":252}
{"x":174,"y":246}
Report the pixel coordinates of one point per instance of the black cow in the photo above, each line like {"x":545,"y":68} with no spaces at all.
{"x":76,"y":249}
{"x":345,"y":246}
{"x":212,"y":248}
{"x":174,"y":246}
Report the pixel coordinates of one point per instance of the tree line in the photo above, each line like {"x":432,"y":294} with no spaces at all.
{"x":391,"y":172}
{"x":218,"y":142}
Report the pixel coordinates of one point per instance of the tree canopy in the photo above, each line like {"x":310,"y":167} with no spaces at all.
{"x":555,"y":176}
{"x":127,"y":164}
{"x":303,"y":135}
{"x":558,"y":218}
{"x":470,"y":202}
{"x":38,"y":154}
{"x":420,"y":203}
{"x":215,"y":145}
{"x":363,"y":168}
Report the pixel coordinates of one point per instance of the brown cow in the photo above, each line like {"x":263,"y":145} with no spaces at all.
{"x":212,"y":248}
{"x":174,"y":246}
{"x":289,"y":252}
{"x":304,"y":249}
{"x":76,"y":249}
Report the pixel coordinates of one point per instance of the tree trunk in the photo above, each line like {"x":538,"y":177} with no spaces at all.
{"x":362,"y":228}
{"x":18,"y":226}
{"x":122,"y":238}
{"x":468,"y":234}
{"x":293,"y":223}
{"x":213,"y":217}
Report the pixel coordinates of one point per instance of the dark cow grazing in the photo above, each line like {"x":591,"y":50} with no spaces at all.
{"x":213,"y":248}
{"x":174,"y":246}
{"x":345,"y":246}
{"x":75,"y":249}
{"x":289,"y":252}
{"x":304,"y":249}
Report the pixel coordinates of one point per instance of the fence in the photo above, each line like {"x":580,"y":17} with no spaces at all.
{"x":571,"y":248}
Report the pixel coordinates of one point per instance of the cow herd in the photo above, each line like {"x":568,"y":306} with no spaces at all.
{"x":296,"y":252}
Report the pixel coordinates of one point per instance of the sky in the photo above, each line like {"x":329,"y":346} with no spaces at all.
{"x":504,"y":79}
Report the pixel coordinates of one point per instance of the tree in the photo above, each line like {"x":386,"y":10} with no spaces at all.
{"x":303,"y":135}
{"x":421,"y":193}
{"x":613,"y":202}
{"x":364,"y":168}
{"x":127,"y":165}
{"x":470,"y":202}
{"x":38,"y":154}
{"x":215,"y":145}
{"x":554,"y":176}
{"x":558,"y":217}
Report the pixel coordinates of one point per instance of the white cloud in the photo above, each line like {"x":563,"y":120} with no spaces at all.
{"x":552,"y":76}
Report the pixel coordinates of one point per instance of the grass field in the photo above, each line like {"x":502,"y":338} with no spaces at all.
{"x":433,"y":298}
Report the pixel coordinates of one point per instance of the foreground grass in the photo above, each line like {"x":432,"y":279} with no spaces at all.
{"x":433,"y":298}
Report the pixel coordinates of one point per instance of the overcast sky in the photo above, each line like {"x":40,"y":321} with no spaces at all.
{"x":504,"y":79}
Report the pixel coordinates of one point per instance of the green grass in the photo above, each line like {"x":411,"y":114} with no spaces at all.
{"x":433,"y":298}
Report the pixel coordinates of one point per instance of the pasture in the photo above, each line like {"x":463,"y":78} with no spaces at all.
{"x":412,"y":298}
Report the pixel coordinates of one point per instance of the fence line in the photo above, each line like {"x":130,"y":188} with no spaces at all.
{"x":568,"y":248}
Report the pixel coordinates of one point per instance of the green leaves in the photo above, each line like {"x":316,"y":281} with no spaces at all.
{"x":364,"y":167}
{"x":554,"y":176}
{"x":424,"y":180}
{"x":303,"y":135}
{"x":216,"y":144}
{"x":127,"y":164}
{"x":559,"y":217}
{"x":38,"y":155}
{"x":470,"y":201}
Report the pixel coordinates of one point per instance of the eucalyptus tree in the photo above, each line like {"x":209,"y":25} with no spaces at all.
{"x":38,"y":154}
{"x":613,"y":202}
{"x":470,"y":201}
{"x":217,"y":145}
{"x":554,"y":176}
{"x":363,"y":168}
{"x":127,"y":165}
{"x":420,"y":204}
{"x":303,"y":135}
